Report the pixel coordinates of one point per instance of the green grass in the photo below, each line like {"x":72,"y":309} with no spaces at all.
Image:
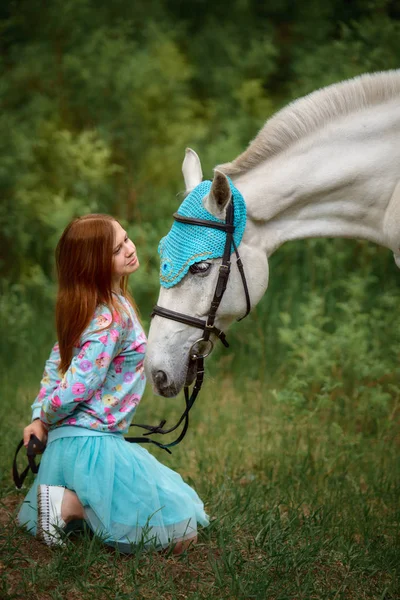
{"x":301,"y":507}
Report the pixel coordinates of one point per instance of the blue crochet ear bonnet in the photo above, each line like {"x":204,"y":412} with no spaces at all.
{"x":187,"y":244}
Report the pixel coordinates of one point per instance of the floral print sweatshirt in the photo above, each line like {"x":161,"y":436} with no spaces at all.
{"x":105,"y":380}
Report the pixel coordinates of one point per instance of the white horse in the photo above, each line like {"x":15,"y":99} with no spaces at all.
{"x":327,"y":165}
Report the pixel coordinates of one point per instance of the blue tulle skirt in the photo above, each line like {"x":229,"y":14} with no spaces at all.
{"x":128,"y":496}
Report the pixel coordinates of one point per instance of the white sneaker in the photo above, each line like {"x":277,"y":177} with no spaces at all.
{"x":50,"y":523}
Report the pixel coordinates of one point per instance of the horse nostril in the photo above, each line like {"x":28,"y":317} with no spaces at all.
{"x":160,"y":378}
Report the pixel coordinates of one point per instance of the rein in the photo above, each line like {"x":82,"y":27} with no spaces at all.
{"x":35,"y":446}
{"x":207,"y":326}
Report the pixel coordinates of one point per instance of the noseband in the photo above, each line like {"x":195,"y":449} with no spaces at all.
{"x":207,"y":326}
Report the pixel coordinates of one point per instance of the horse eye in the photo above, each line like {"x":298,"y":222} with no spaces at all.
{"x":200,"y":268}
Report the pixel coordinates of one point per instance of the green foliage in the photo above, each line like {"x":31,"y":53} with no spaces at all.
{"x":57,"y":175}
{"x":368,"y":45}
{"x":349,"y":358}
{"x":99,"y":101}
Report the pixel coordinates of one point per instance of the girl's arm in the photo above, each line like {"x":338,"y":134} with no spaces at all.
{"x":87,"y":371}
{"x":50,"y":380}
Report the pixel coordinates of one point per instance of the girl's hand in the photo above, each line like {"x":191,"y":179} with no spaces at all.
{"x":37,"y":428}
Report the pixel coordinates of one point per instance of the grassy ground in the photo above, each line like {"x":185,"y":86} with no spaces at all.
{"x":303,"y":503}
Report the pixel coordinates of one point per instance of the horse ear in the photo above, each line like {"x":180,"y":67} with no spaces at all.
{"x":191,"y":169}
{"x":219,"y":196}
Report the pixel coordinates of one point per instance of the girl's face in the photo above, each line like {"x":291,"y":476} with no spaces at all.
{"x":125,"y":260}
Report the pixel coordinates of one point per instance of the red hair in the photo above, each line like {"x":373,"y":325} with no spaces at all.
{"x":84,"y":260}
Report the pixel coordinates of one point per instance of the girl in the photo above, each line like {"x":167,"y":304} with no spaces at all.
{"x":92,"y":384}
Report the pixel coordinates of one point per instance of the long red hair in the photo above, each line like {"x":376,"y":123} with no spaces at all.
{"x":84,"y":257}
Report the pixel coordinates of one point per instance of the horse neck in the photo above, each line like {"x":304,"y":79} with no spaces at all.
{"x":338,"y":182}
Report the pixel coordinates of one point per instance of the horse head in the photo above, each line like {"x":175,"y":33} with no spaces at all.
{"x":191,"y":256}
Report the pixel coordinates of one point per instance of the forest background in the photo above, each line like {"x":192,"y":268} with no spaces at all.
{"x":98,"y":102}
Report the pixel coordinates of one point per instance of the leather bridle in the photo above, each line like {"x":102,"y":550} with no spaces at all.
{"x":208,"y":326}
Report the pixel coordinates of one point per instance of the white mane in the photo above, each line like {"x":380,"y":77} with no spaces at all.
{"x":306,"y":115}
